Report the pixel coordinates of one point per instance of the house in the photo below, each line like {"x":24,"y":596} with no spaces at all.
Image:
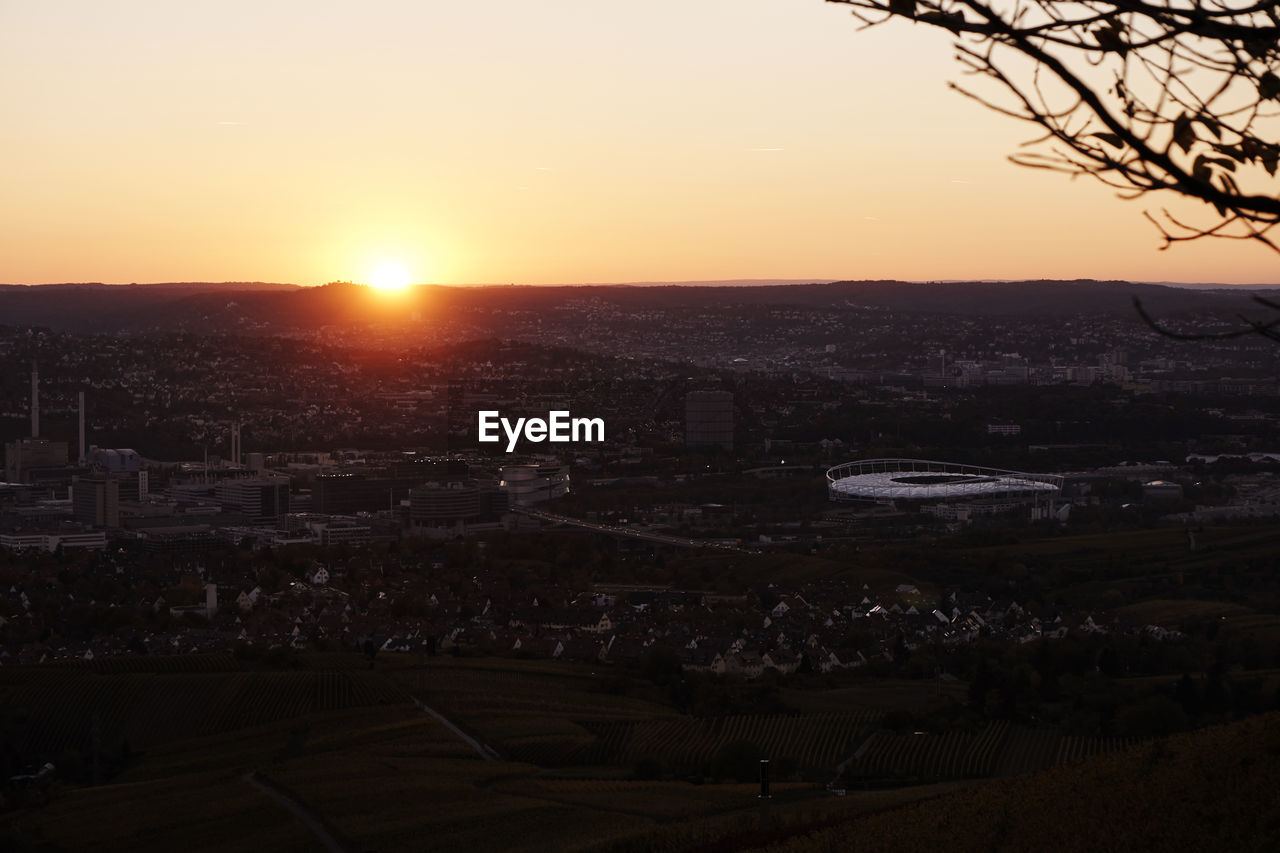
{"x":701,"y":659}
{"x":782,"y":659}
{"x":745,"y":663}
{"x":538,"y":647}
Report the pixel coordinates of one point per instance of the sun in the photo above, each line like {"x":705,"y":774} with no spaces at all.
{"x":389,"y":276}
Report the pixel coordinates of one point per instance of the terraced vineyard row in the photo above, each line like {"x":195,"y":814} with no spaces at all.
{"x":998,"y":750}
{"x":925,"y":756}
{"x":814,"y":740}
{"x":1027,"y":750}
{"x":1073,"y":749}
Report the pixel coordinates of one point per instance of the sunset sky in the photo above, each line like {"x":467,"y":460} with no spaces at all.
{"x":536,"y":142}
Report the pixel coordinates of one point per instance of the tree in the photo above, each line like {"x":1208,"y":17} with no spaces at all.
{"x":1172,"y":98}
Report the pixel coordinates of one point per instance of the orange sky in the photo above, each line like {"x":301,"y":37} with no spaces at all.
{"x":549,"y":142}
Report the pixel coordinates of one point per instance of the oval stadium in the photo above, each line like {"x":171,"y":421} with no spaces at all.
{"x":924,"y":481}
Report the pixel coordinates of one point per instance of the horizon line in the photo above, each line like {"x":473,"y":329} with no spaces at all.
{"x":727,"y":282}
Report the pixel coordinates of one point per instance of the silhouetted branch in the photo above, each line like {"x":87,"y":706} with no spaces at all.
{"x":1179,"y":97}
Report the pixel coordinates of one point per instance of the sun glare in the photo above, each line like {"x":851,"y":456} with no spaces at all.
{"x":389,"y":276}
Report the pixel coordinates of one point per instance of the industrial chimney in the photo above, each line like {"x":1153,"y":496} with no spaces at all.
{"x":81,"y":462}
{"x":35,"y":400}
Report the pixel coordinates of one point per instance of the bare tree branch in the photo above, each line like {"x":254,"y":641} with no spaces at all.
{"x":1173,"y":97}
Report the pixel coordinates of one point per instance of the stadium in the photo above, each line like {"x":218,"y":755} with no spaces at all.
{"x":945,"y":489}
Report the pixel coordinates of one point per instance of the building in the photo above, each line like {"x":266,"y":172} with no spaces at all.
{"x":1161,"y":491}
{"x":708,"y":419}
{"x":95,"y":498}
{"x":946,"y":490}
{"x":51,"y":542}
{"x":446,"y":506}
{"x":27,"y":459}
{"x":340,"y":532}
{"x":107,"y":459}
{"x":526,"y":485}
{"x":180,"y":540}
{"x":263,"y":499}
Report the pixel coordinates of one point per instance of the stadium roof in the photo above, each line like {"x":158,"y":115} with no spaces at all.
{"x":928,"y":480}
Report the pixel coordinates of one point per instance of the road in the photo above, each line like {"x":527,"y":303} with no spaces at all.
{"x":483,"y":751}
{"x":328,"y":838}
{"x":631,"y":532}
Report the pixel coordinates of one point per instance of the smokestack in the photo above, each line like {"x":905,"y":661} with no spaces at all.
{"x":81,"y":428}
{"x":35,"y":400}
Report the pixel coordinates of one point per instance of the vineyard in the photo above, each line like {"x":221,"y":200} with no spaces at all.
{"x":1000,"y":749}
{"x":1075,"y":749}
{"x":952,"y":755}
{"x":528,"y":713}
{"x":343,"y":741}
{"x":52,"y":709}
{"x":814,"y":741}
{"x":557,"y":718}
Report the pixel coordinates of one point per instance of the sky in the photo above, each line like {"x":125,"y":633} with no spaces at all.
{"x":558,"y":141}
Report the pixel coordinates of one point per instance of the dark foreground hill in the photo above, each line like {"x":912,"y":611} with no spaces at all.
{"x":1215,"y":789}
{"x":350,"y":748}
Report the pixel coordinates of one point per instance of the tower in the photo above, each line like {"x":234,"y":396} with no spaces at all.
{"x":81,"y":461}
{"x":35,"y":399}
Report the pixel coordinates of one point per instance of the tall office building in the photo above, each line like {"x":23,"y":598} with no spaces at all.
{"x":263,"y":499}
{"x":708,"y":419}
{"x":446,"y":505}
{"x":95,"y":499}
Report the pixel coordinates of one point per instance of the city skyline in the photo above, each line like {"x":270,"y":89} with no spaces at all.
{"x":571,"y":143}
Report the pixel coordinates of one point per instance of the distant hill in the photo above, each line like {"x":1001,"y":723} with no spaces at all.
{"x":262,"y":306}
{"x":175,"y":285}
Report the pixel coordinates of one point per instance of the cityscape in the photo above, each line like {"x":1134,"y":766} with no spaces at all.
{"x":751,"y":539}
